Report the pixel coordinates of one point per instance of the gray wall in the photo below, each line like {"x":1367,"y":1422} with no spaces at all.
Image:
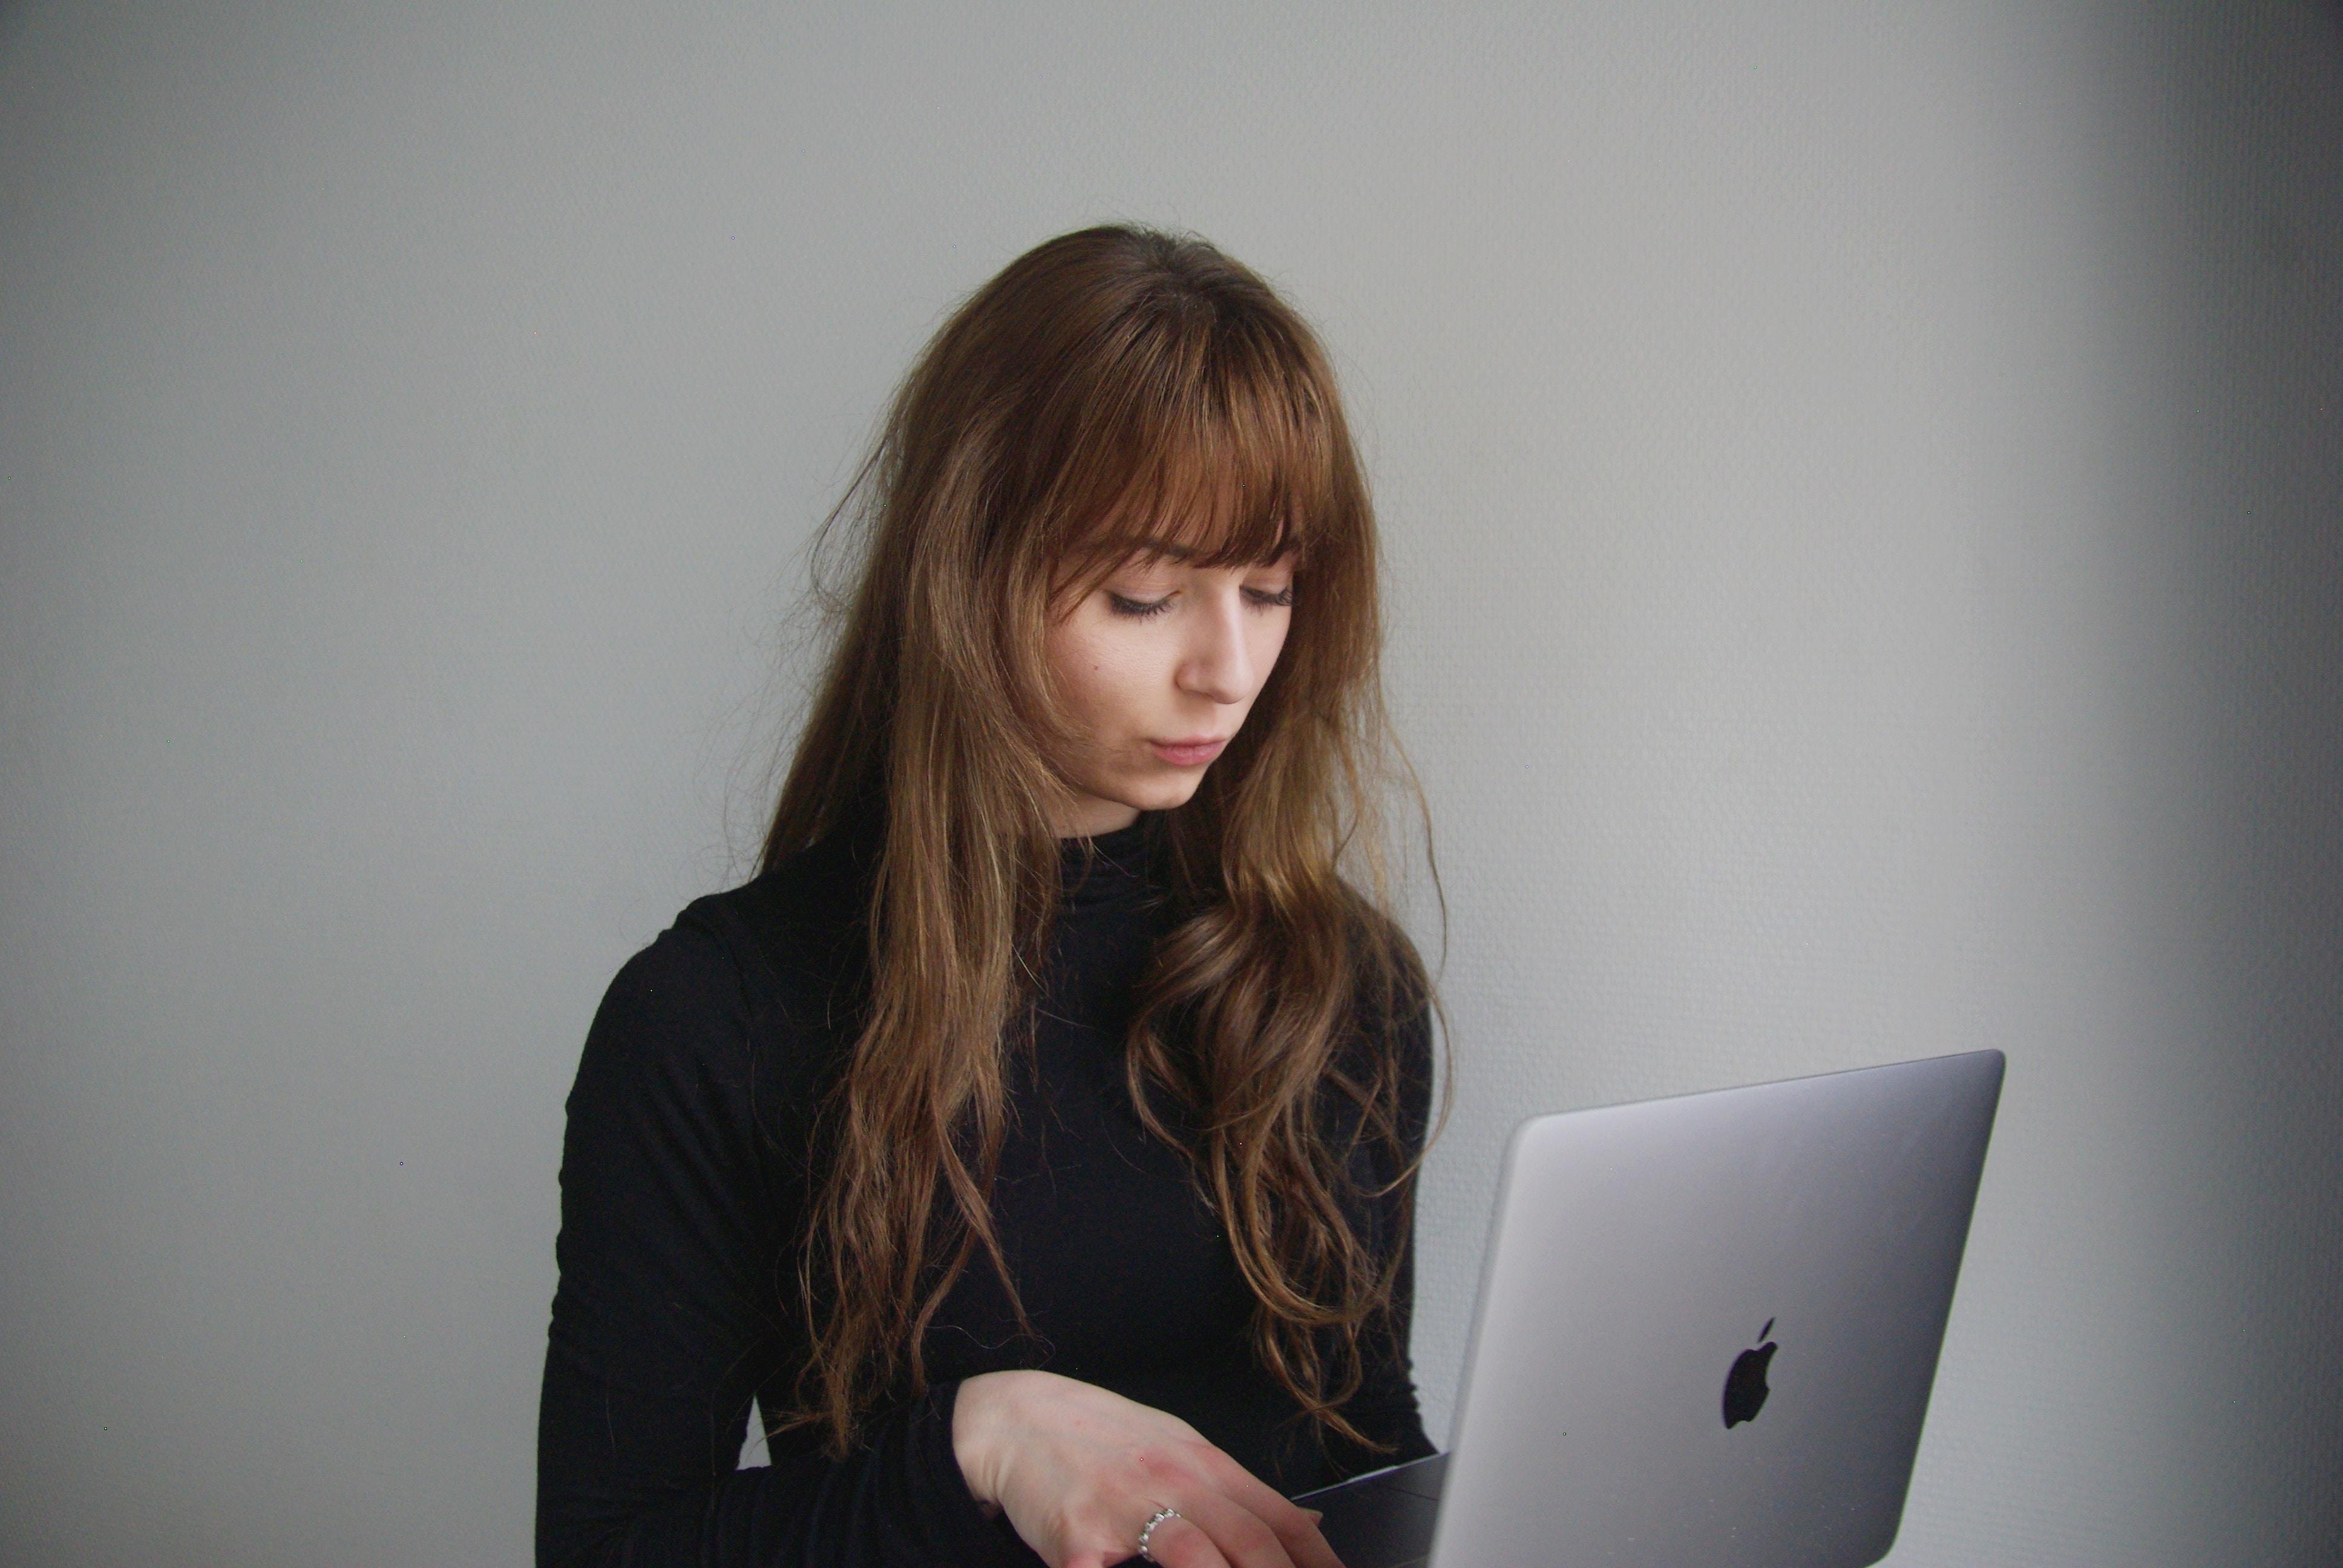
{"x":1861,"y":487}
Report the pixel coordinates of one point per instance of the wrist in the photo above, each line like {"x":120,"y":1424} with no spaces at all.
{"x":975,"y":1422}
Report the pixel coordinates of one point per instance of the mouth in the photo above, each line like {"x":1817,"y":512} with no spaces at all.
{"x":1191,"y":753}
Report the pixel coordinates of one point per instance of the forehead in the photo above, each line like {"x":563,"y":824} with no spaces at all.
{"x":1152,"y":550}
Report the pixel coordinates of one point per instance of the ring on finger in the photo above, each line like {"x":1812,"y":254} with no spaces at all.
{"x":1148,"y":1529}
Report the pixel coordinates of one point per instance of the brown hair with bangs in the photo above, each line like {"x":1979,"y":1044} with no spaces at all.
{"x":1113,"y":391}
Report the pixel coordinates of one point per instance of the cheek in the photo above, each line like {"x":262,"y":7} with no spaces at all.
{"x":1096,"y":668}
{"x":1269,"y":643}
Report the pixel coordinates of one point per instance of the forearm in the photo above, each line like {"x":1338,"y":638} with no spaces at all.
{"x":610,"y":1492}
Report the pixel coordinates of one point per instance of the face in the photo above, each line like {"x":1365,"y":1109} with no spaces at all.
{"x":1159,"y":664}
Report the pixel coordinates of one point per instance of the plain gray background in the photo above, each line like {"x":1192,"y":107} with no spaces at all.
{"x":1861,"y":487}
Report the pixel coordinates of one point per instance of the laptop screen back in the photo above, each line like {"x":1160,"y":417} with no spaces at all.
{"x":1708,"y":1325}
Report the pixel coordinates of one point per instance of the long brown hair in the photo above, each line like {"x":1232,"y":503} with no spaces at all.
{"x":1112,"y":389}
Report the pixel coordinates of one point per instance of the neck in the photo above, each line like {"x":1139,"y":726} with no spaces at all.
{"x":1093,"y":818}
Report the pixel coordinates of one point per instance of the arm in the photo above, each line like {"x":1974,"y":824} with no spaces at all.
{"x":665,"y":1323}
{"x":668,"y":1318}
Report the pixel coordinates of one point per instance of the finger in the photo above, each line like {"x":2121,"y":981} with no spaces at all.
{"x":1242,"y":1536}
{"x":1257,"y":1495}
{"x":1296,"y":1527}
{"x":1307,"y":1543}
{"x":1313,"y":1551}
{"x":1181,"y":1543}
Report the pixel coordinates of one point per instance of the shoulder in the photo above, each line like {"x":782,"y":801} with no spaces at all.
{"x":1381,"y":1072}
{"x":1391,"y":988}
{"x":746,"y":987}
{"x":800,"y":923}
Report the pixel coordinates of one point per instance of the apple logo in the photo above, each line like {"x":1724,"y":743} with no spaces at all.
{"x":1744,"y":1385}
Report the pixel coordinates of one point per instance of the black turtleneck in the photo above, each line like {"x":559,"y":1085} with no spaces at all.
{"x":683,"y":1191}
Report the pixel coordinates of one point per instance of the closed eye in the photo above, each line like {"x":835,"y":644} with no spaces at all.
{"x":1142,"y":609}
{"x":1139,"y":609}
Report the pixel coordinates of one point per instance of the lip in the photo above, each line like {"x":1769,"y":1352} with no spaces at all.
{"x":1191,"y":752}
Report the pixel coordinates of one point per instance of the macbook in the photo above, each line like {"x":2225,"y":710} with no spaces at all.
{"x":1706,"y":1330}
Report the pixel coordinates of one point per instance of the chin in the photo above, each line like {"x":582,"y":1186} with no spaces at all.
{"x":1160,"y":794}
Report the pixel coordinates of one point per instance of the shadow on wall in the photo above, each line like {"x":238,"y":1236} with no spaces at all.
{"x":2244,"y":522}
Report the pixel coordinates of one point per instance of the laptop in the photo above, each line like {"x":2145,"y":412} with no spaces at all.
{"x":1706,"y":1332}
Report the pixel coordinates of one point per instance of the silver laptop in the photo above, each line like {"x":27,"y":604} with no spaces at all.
{"x":1706,"y":1332}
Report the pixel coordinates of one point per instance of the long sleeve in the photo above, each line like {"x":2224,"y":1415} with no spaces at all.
{"x":684,"y":1191}
{"x":668,"y":1318}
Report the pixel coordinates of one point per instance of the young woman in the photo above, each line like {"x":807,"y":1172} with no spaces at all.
{"x":1032,"y":1140}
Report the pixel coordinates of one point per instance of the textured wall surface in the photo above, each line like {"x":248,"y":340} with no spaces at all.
{"x":1862,"y":489}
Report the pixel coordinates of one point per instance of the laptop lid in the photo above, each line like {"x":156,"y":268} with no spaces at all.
{"x":1708,"y":1324}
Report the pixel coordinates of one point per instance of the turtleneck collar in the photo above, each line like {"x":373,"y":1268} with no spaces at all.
{"x":1110,"y":867}
{"x":1101,"y":868}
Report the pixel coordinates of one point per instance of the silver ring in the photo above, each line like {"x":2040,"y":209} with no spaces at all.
{"x":1149,"y":1528}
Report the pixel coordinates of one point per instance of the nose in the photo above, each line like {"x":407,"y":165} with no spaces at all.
{"x":1217,"y":663}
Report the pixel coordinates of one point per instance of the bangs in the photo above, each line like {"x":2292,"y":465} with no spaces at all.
{"x":1221,"y":456}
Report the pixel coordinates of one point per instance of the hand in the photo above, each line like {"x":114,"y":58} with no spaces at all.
{"x":1079,"y":1469}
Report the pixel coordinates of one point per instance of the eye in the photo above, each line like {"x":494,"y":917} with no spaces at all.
{"x":1145,"y":610}
{"x":1139,"y":609}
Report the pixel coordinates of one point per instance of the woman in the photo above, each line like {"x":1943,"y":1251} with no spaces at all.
{"x":1033,"y":1137}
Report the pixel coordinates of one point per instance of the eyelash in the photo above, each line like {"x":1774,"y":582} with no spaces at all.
{"x":1139,"y":609}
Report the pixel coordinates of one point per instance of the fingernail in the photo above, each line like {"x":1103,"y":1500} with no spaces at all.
{"x":1315,"y":1514}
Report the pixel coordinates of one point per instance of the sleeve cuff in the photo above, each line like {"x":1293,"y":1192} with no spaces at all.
{"x":959,"y":1519}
